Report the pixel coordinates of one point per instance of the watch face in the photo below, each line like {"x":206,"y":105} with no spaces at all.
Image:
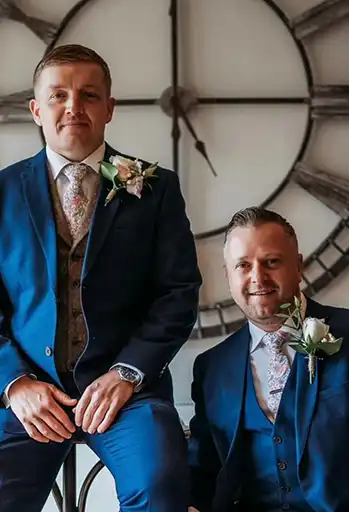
{"x":128,"y":374}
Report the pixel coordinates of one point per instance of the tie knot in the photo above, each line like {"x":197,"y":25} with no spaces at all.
{"x":76,"y":172}
{"x":274,"y":340}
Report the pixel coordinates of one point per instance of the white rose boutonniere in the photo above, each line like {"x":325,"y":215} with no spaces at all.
{"x":310,"y":335}
{"x":127,"y":174}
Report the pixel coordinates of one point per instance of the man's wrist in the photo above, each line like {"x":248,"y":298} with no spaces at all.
{"x":5,"y":396}
{"x":129,"y":374}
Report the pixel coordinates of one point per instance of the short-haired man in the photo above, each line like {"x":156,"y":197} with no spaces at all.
{"x":95,"y":301}
{"x":264,"y":438}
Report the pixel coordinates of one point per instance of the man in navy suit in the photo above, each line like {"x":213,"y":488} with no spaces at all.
{"x":265,"y":439}
{"x":95,"y":301}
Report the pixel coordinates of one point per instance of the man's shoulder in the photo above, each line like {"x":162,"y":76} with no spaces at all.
{"x":12,"y":171}
{"x":219,"y":352}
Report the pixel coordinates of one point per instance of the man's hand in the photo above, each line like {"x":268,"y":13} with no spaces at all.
{"x":35,"y":405}
{"x":192,"y":509}
{"x":101,"y":401}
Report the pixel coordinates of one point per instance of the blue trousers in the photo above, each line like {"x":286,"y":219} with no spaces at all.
{"x":144,"y":449}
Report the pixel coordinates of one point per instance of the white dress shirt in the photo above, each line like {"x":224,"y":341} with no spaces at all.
{"x":56,"y":164}
{"x":259,"y":357}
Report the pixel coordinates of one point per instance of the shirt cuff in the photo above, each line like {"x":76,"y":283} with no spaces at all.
{"x":5,"y":398}
{"x":140,"y":385}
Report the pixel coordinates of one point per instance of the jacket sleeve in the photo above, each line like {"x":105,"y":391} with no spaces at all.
{"x":204,"y":460}
{"x":177,"y":280}
{"x":12,"y":365}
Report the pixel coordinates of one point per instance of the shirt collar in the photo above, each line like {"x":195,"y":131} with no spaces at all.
{"x":257,"y":333}
{"x":57,"y":162}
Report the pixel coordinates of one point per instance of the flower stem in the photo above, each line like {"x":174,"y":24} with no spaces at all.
{"x":311,"y":368}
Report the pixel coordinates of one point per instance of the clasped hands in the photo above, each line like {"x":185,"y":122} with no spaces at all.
{"x":37,"y":405}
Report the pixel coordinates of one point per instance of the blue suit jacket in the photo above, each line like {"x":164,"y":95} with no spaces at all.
{"x":139,"y":286}
{"x":321,"y":420}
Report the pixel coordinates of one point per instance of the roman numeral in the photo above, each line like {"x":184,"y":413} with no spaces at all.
{"x":14,"y":107}
{"x":43,"y":29}
{"x":320,"y":17}
{"x":330,"y":101}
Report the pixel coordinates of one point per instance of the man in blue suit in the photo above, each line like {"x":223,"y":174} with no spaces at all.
{"x":265,"y":439}
{"x":95,"y":301}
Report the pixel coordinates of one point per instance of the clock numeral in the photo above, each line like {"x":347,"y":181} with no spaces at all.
{"x":45,"y":30}
{"x":14,"y":107}
{"x":330,"y":101}
{"x":332,"y":190}
{"x":320,"y":17}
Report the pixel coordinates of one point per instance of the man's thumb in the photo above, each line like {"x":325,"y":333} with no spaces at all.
{"x":61,"y":397}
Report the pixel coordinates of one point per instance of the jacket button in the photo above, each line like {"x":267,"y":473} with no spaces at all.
{"x":282,"y":465}
{"x":277,"y":439}
{"x":284,"y":488}
{"x":48,"y":351}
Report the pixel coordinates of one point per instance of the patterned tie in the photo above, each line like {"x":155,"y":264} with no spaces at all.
{"x":278,"y":368}
{"x":74,"y":200}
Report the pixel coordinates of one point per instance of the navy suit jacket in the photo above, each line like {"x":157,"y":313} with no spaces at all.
{"x":139,"y":285}
{"x":321,"y":420}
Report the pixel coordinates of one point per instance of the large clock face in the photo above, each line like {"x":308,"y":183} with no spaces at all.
{"x":248,"y":76}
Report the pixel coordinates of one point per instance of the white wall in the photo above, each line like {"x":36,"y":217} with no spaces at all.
{"x":229,"y":47}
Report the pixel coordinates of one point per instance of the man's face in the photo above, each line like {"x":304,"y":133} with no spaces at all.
{"x":264,"y":271}
{"x":73,"y":106}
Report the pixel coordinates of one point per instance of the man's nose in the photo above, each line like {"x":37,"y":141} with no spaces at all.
{"x":74,"y":105}
{"x":257,"y":274}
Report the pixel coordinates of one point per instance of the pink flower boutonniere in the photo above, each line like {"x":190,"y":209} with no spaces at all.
{"x":127,"y":174}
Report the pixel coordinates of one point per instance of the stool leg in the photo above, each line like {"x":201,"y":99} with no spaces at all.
{"x":69,"y":481}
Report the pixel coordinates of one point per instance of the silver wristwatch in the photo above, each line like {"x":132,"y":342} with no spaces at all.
{"x":128,"y":374}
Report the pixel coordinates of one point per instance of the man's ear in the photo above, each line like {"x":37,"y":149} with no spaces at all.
{"x":300,"y":266}
{"x":35,"y":111}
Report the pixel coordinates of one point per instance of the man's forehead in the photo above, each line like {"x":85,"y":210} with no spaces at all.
{"x":264,"y":239}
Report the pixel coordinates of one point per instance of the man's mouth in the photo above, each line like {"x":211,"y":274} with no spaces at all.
{"x":259,"y":293}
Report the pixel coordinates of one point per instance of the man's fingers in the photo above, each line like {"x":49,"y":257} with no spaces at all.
{"x":47,"y":432}
{"x":89,"y":414}
{"x":62,"y":417}
{"x":81,"y":408}
{"x":108,"y":419}
{"x":33,"y":432}
{"x":98,"y":417}
{"x":57,"y":426}
{"x":61,"y":397}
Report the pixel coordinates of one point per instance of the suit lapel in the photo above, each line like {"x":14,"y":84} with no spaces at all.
{"x":38,"y":199}
{"x":101,"y":220}
{"x":233,"y":382}
{"x":306,"y":393}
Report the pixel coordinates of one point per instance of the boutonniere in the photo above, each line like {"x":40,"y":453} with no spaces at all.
{"x":310,"y":335}
{"x":126,"y":174}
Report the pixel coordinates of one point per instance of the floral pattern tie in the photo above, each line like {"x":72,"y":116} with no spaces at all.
{"x":278,"y":368}
{"x":74,"y":200}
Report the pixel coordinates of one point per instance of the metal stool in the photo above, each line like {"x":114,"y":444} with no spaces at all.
{"x":68,"y":500}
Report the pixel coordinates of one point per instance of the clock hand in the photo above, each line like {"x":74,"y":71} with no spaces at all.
{"x":199,"y":144}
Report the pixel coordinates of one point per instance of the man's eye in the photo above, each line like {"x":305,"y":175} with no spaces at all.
{"x":272,"y":262}
{"x":58,"y":95}
{"x":242,"y":265}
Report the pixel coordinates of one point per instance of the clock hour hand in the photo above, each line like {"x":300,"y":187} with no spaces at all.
{"x":199,"y":144}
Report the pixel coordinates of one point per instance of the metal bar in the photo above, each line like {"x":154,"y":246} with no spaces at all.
{"x":87,"y":484}
{"x":69,"y":481}
{"x":250,"y":100}
{"x":174,"y":78}
{"x":57,"y":496}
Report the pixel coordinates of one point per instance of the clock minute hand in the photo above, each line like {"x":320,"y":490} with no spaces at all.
{"x":199,"y":144}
